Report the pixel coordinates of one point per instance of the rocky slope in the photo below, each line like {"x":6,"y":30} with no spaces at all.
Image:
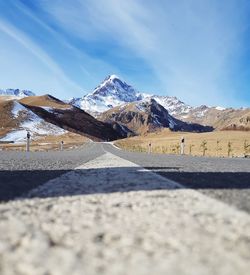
{"x":146,"y":116}
{"x":219,"y":118}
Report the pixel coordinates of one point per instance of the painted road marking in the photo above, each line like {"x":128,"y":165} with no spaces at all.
{"x":114,"y":217}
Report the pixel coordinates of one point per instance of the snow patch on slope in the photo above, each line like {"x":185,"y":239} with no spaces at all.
{"x":16,"y":136}
{"x":172,"y":104}
{"x":142,"y":104}
{"x":17,"y":108}
{"x":32,"y":123}
{"x":219,"y":108}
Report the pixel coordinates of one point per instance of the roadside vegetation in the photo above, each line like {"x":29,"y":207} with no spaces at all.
{"x":216,"y":144}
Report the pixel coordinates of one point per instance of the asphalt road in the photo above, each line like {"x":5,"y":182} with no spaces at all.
{"x":22,"y":171}
{"x":225,"y":179}
{"x":97,"y":210}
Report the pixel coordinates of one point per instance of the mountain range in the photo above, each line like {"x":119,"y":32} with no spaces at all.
{"x":113,"y":92}
{"x":113,"y":110}
{"x":148,"y":115}
{"x":16,"y":93}
{"x":47,"y":115}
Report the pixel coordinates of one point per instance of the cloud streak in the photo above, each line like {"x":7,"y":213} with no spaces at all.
{"x":64,"y":61}
{"x":37,"y":52}
{"x":192,"y":46}
{"x":196,"y":50}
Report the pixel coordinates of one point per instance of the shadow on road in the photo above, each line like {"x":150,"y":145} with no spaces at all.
{"x":207,"y":180}
{"x":15,"y":183}
{"x":92,"y":181}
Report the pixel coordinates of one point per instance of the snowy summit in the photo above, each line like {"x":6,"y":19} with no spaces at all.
{"x":114,"y":92}
{"x":110,"y":93}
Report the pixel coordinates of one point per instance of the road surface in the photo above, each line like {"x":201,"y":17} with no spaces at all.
{"x":100,"y":210}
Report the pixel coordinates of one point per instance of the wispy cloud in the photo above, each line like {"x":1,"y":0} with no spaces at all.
{"x":192,"y":46}
{"x":192,"y":49}
{"x":63,"y":59}
{"x":38,"y":52}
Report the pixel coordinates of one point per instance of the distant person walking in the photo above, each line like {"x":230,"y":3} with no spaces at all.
{"x":182,"y":147}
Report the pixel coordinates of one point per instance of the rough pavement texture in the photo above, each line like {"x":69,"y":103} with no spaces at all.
{"x":226,"y":179}
{"x":21,"y":171}
{"x":145,"y":231}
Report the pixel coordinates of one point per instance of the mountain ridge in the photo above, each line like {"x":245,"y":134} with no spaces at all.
{"x":47,"y":115}
{"x":113,"y":92}
{"x":148,"y":115}
{"x":110,"y":94}
{"x":16,"y":92}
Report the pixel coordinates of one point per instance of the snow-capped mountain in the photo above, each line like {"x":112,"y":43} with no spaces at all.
{"x":173,"y":105}
{"x":110,"y":93}
{"x":16,"y":93}
{"x":113,"y":92}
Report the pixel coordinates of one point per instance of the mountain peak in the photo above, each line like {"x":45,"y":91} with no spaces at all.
{"x":117,"y":90}
{"x":112,"y":77}
{"x":114,"y":91}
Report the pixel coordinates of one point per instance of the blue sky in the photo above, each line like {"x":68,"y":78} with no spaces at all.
{"x":196,"y":50}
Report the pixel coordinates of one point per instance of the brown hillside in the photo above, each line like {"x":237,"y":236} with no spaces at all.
{"x":7,"y":123}
{"x":234,"y":119}
{"x":148,"y":116}
{"x":239,"y":122}
{"x":45,"y":100}
{"x":69,"y":117}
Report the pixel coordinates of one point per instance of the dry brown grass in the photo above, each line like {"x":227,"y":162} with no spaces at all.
{"x":70,"y":140}
{"x":213,"y":143}
{"x":45,"y":100}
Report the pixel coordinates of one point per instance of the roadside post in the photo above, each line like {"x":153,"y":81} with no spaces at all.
{"x":28,"y":142}
{"x":182,"y":147}
{"x":61,"y":145}
{"x":149,"y":148}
